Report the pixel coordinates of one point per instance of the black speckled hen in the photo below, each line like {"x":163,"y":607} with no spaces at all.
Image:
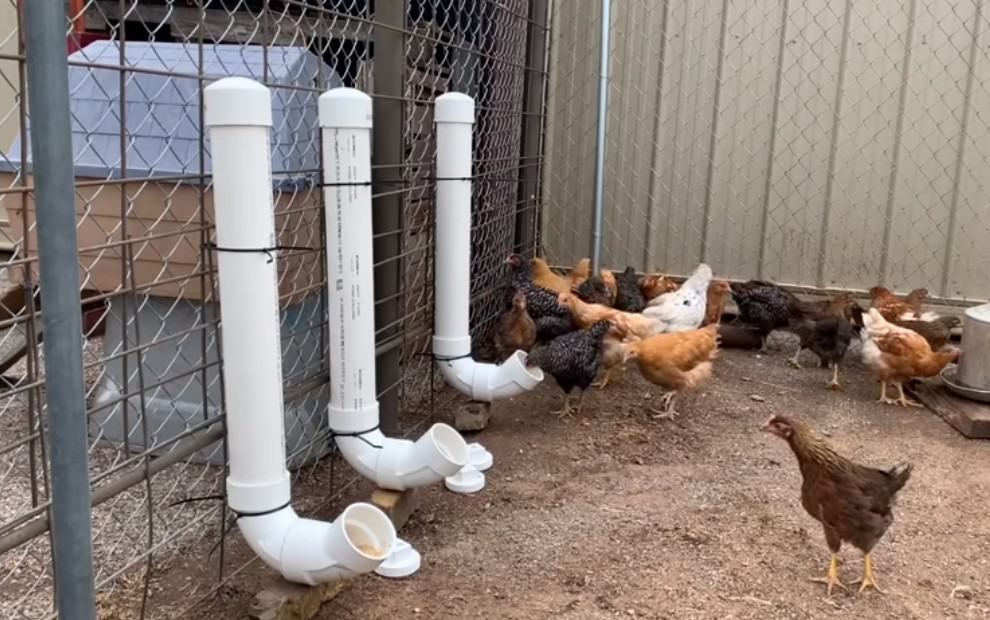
{"x":573,"y":359}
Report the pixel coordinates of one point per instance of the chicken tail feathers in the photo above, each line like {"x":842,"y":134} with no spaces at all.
{"x":899,"y":475}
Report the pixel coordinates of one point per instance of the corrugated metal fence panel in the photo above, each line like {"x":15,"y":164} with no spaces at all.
{"x":817,"y":143}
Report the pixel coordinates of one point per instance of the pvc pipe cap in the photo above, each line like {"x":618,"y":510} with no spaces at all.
{"x":403,"y":561}
{"x":345,"y":108}
{"x":467,"y":480}
{"x":479,"y":457}
{"x":237,"y":101}
{"x":454,"y":108}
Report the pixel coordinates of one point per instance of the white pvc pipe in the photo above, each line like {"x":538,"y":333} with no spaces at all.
{"x":454,"y":117}
{"x":239,"y":118}
{"x":398,"y":464}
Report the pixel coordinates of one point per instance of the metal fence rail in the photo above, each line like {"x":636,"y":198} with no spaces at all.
{"x":143,"y":199}
{"x":819,"y":144}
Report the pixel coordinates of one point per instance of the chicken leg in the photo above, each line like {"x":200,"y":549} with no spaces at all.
{"x":797,"y":355}
{"x":831,"y":579}
{"x":601,"y":384}
{"x":883,"y":395}
{"x":666,"y":411}
{"x":868,"y":581}
{"x":564,"y":411}
{"x":903,"y":400}
{"x":834,"y":384}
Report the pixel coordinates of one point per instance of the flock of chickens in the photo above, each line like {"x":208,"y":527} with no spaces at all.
{"x":579,"y":326}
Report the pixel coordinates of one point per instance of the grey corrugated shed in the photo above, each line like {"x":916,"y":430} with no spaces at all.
{"x":163,"y":110}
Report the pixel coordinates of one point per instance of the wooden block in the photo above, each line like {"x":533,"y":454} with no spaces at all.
{"x":398,"y":505}
{"x":282,"y":600}
{"x":970,"y":418}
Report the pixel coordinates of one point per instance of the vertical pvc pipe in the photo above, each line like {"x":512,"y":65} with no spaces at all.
{"x":345,"y":115}
{"x":51,"y":148}
{"x":600,"y":139}
{"x":454,"y":116}
{"x":239,"y":117}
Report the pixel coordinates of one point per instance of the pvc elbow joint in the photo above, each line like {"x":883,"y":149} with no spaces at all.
{"x":398,"y":464}
{"x":488,"y":382}
{"x":312,"y":552}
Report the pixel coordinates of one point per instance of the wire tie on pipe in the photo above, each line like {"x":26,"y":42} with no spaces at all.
{"x":358,"y":435}
{"x":262,"y":513}
{"x":266,"y":251}
{"x":453,"y":358}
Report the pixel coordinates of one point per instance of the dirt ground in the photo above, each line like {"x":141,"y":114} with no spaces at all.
{"x":613,"y":514}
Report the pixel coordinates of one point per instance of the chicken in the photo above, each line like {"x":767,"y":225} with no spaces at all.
{"x":684,"y":309}
{"x":852,"y":502}
{"x":580,"y":272}
{"x":613,"y":354}
{"x":897,"y":354}
{"x":826,"y":329}
{"x":764,"y":305}
{"x":624,"y":324}
{"x":675,"y":362}
{"x":892,"y":308}
{"x":715,"y":300}
{"x":516,"y":329}
{"x":573,"y":359}
{"x":629,"y":298}
{"x":594,"y":291}
{"x":656,"y":285}
{"x":551,"y":318}
{"x":545,"y":277}
{"x":936,"y":332}
{"x":613,"y":287}
{"x":827,"y":337}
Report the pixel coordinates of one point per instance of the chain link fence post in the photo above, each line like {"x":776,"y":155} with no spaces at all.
{"x":51,"y":144}
{"x":387,"y":173}
{"x":532,"y":136}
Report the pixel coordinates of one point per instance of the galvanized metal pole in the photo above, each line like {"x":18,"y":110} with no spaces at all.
{"x":51,"y":149}
{"x":596,"y":235}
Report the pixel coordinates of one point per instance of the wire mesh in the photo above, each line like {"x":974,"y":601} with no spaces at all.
{"x":144,"y":210}
{"x":829,"y":145}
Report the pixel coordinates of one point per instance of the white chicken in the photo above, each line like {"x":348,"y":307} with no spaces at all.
{"x":683,"y":309}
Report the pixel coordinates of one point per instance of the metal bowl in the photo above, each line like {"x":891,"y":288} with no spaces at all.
{"x":948,"y":375}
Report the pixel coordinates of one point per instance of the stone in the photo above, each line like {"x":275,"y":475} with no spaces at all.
{"x":473,"y":416}
{"x":282,"y":600}
{"x":398,"y":505}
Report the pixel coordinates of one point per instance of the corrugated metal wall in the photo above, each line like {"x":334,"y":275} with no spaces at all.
{"x":815,"y":143}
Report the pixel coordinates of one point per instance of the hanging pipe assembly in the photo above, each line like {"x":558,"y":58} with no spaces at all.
{"x":238,"y":117}
{"x":397,"y":464}
{"x":454,"y":117}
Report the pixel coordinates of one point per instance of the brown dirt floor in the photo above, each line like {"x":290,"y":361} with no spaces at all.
{"x":613,"y":514}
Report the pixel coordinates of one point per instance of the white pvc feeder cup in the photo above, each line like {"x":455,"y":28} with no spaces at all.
{"x":974,"y":365}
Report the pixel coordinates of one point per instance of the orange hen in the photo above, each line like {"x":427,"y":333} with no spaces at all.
{"x":624,"y":324}
{"x":897,"y":354}
{"x":893,"y":309}
{"x":656,"y":285}
{"x":545,"y":277}
{"x":718,"y":293}
{"x":580,"y":272}
{"x":676,"y":361}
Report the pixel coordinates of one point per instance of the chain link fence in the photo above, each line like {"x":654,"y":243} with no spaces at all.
{"x":827,"y":145}
{"x":148,"y":292}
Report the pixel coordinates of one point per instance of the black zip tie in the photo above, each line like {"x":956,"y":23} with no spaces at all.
{"x":447,"y":359}
{"x":266,"y":251}
{"x":238,"y":515}
{"x":358,"y":434}
{"x":410,"y":182}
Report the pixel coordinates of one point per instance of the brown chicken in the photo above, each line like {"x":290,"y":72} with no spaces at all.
{"x":892,"y":308}
{"x":656,"y":285}
{"x":516,"y":329}
{"x":852,"y":502}
{"x":897,"y":354}
{"x":936,"y":332}
{"x":676,"y":362}
{"x":613,"y":286}
{"x":624,"y":324}
{"x":613,"y":354}
{"x":718,"y":293}
{"x":547,"y":278}
{"x":580,"y":272}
